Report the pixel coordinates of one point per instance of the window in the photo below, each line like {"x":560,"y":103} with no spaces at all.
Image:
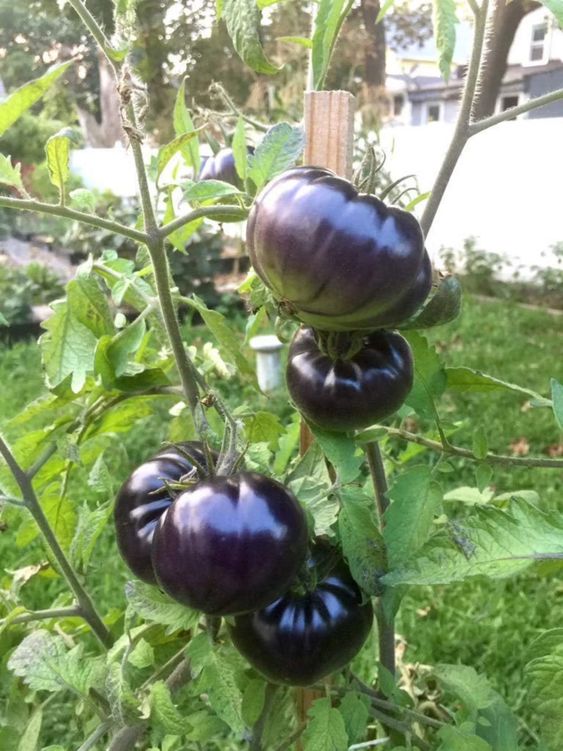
{"x":398,"y":104}
{"x":433,"y":112}
{"x":538,"y":46}
{"x":511,"y":100}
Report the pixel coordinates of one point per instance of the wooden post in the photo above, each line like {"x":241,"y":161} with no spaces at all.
{"x":329,"y":142}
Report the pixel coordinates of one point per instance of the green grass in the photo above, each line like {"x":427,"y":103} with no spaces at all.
{"x":485,"y":624}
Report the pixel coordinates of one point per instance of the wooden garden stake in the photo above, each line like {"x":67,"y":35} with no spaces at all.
{"x":329,"y":141}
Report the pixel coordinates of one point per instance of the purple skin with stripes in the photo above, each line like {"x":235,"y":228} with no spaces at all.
{"x":344,"y":395}
{"x":338,"y":259}
{"x":142,"y":500}
{"x":304,"y":636}
{"x":230,"y":544}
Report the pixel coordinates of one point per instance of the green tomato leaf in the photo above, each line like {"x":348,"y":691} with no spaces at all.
{"x":461,"y":738}
{"x":58,"y":155}
{"x":180,"y":237}
{"x":219,"y":681}
{"x":253,"y":700}
{"x":429,"y":376}
{"x":385,"y":8}
{"x":263,"y":427}
{"x":280,"y":149}
{"x":326,"y":730}
{"x":544,"y":683}
{"x":361,"y":540}
{"x":444,"y":20}
{"x":183,"y":123}
{"x":165,"y":153}
{"x":301,"y":41}
{"x":90,"y":525}
{"x":354,"y":709}
{"x":164,"y":713}
{"x":25,"y":97}
{"x":328,"y":22}
{"x":491,"y":542}
{"x":416,"y":500}
{"x":311,"y":484}
{"x":83,"y":200}
{"x":153,"y":605}
{"x":341,"y":451}
{"x":208,"y":190}
{"x":142,"y":655}
{"x":30,"y":738}
{"x":242,"y":18}
{"x":45,"y":664}
{"x":10,"y":174}
{"x":240,"y":152}
{"x":467,"y":379}
{"x":557,"y":399}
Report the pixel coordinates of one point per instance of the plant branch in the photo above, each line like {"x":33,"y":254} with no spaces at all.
{"x":377,"y":471}
{"x":217,"y":89}
{"x":205,"y":211}
{"x":43,"y":615}
{"x":461,"y":132}
{"x":78,"y":216}
{"x":532,"y":104}
{"x":94,"y":737}
{"x":452,"y":450}
{"x":32,"y":504}
{"x":94,"y":28}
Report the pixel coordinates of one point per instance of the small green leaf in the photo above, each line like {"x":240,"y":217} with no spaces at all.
{"x":280,"y":149}
{"x":310,"y":482}
{"x":444,"y":20}
{"x":544,"y":683}
{"x":461,"y":738}
{"x":479,"y":442}
{"x":83,"y":200}
{"x":416,"y":500}
{"x":429,"y":375}
{"x":30,"y":738}
{"x":444,"y":306}
{"x":153,"y":605}
{"x":354,"y":709}
{"x":58,"y":155}
{"x":219,"y":681}
{"x":10,"y":175}
{"x":240,"y":151}
{"x":557,"y":398}
{"x":165,"y":153}
{"x":327,"y":24}
{"x":208,"y":190}
{"x":91,"y":523}
{"x":142,"y":655}
{"x":183,"y":123}
{"x":341,"y":452}
{"x":253,"y":701}
{"x":263,"y":427}
{"x":301,"y":41}
{"x":242,"y":18}
{"x":361,"y":540}
{"x":326,"y":730}
{"x":25,"y":97}
{"x":468,"y":379}
{"x":163,"y":711}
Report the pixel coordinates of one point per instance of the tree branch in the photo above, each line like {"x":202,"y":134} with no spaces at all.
{"x":32,"y":504}
{"x":78,"y":216}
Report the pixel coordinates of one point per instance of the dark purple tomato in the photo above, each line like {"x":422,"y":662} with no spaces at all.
{"x":221,"y":166}
{"x":230,"y":544}
{"x":300,"y":638}
{"x":338,"y":259}
{"x":342,"y":395}
{"x":138,"y":507}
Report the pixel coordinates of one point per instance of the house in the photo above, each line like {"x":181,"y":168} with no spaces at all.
{"x":535,"y":67}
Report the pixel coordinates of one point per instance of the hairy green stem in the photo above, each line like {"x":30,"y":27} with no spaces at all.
{"x":217,"y":89}
{"x":461,"y":131}
{"x":94,"y":737}
{"x":480,"y":125}
{"x":94,"y":28}
{"x":43,"y":615}
{"x":205,"y":211}
{"x":78,"y":216}
{"x":451,"y":450}
{"x":377,"y":471}
{"x":32,"y":504}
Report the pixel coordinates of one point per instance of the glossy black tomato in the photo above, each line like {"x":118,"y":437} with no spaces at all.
{"x":221,"y":166}
{"x":342,"y":395}
{"x":302,"y":637}
{"x":338,"y":259}
{"x":230,"y":544}
{"x":142,"y":500}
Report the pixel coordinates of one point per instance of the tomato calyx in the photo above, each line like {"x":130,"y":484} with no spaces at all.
{"x":340,"y":345}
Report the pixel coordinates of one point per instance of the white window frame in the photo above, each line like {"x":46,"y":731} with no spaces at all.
{"x":518,"y":96}
{"x":546,"y":43}
{"x":438,"y":103}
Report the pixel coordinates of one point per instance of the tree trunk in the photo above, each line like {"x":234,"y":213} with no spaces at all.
{"x":375,"y":101}
{"x":503,"y":22}
{"x":107,"y":132}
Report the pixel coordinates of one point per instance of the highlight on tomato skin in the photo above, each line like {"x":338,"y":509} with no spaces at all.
{"x":338,"y":259}
{"x":349,"y":394}
{"x":302,"y":637}
{"x":230,"y":544}
{"x":143,"y":498}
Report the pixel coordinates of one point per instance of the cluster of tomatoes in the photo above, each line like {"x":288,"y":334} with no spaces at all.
{"x":349,"y":268}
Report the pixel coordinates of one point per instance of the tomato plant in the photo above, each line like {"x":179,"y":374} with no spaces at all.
{"x":268,"y":553}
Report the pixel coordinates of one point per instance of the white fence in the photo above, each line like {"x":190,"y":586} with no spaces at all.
{"x":506,"y":190}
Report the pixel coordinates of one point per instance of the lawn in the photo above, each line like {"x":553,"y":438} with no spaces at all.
{"x":485,"y":624}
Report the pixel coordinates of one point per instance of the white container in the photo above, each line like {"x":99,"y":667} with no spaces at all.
{"x":268,"y":361}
